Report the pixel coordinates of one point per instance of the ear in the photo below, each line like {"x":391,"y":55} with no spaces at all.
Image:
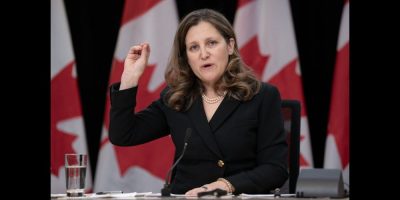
{"x":231,"y":46}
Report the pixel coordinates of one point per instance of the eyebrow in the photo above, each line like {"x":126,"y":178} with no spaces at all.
{"x":208,"y":38}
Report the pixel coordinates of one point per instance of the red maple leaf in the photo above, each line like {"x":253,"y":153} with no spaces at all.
{"x":290,"y":87}
{"x":289,"y":84}
{"x":155,"y":156}
{"x":251,"y":55}
{"x":287,"y":80}
{"x":64,"y":105}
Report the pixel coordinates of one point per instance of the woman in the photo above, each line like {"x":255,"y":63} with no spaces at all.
{"x":237,"y":142}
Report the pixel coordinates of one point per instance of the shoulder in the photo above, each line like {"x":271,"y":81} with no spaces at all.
{"x":268,"y":89}
{"x":164,"y":91}
{"x":164,"y":94}
{"x":270,"y":97}
{"x":266,"y":93}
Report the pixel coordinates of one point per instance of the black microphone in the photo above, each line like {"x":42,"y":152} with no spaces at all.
{"x":166,"y":191}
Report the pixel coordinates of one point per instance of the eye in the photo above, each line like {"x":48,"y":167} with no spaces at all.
{"x":212,"y":43}
{"x":194,"y":47}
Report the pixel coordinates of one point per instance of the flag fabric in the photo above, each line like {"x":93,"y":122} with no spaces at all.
{"x":67,"y":127}
{"x":267,"y":43}
{"x":140,"y":168}
{"x":337,"y":141}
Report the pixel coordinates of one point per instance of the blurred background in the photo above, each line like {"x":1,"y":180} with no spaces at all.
{"x":98,"y":28}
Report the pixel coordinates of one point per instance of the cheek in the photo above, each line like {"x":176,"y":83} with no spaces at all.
{"x":193,"y":69}
{"x":223,"y":54}
{"x":223,"y":57}
{"x":191,"y":59}
{"x":192,"y":64}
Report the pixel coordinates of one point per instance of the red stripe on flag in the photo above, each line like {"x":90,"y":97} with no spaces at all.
{"x":243,"y":3}
{"x":134,"y":9}
{"x":339,"y":116}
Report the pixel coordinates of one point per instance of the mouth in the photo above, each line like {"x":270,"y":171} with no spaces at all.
{"x":207,"y":65}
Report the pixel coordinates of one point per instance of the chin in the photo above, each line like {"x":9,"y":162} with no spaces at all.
{"x":209,"y":80}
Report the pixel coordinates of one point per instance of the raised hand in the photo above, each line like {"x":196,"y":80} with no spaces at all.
{"x":134,"y":65}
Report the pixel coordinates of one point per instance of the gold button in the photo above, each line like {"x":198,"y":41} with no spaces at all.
{"x":221,"y":163}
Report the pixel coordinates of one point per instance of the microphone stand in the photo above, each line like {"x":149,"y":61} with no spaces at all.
{"x":166,"y":190}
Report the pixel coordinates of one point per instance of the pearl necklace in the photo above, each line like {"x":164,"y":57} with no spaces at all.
{"x":213,"y":100}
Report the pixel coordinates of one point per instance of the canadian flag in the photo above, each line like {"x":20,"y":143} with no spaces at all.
{"x":67,"y":127}
{"x":141,"y":168}
{"x":337,"y":141}
{"x":267,"y":43}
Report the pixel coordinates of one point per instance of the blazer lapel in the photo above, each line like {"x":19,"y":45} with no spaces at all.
{"x":199,"y":120}
{"x":227,"y":106}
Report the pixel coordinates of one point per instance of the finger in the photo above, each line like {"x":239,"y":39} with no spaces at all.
{"x":145,"y":44}
{"x":135,"y":49}
{"x":146,"y":50}
{"x":195,"y":191}
{"x":134,"y":52}
{"x":191,"y":192}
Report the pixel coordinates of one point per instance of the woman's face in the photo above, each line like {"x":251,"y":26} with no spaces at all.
{"x":207,"y":52}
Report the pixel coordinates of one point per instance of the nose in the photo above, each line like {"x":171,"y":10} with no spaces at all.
{"x":204,"y":54}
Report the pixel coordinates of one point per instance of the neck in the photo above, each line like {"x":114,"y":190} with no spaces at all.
{"x":209,"y":90}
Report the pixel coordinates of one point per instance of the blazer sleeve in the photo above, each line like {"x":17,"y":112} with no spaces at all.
{"x":271,"y":170}
{"x":128,"y":128}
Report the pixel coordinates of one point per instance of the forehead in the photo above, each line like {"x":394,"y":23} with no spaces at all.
{"x":201,"y":31}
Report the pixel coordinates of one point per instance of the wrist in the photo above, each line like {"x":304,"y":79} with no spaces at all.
{"x":230,"y":187}
{"x":125,"y":85}
{"x":128,"y":81}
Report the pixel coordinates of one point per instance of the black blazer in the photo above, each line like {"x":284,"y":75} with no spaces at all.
{"x":244,"y":142}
